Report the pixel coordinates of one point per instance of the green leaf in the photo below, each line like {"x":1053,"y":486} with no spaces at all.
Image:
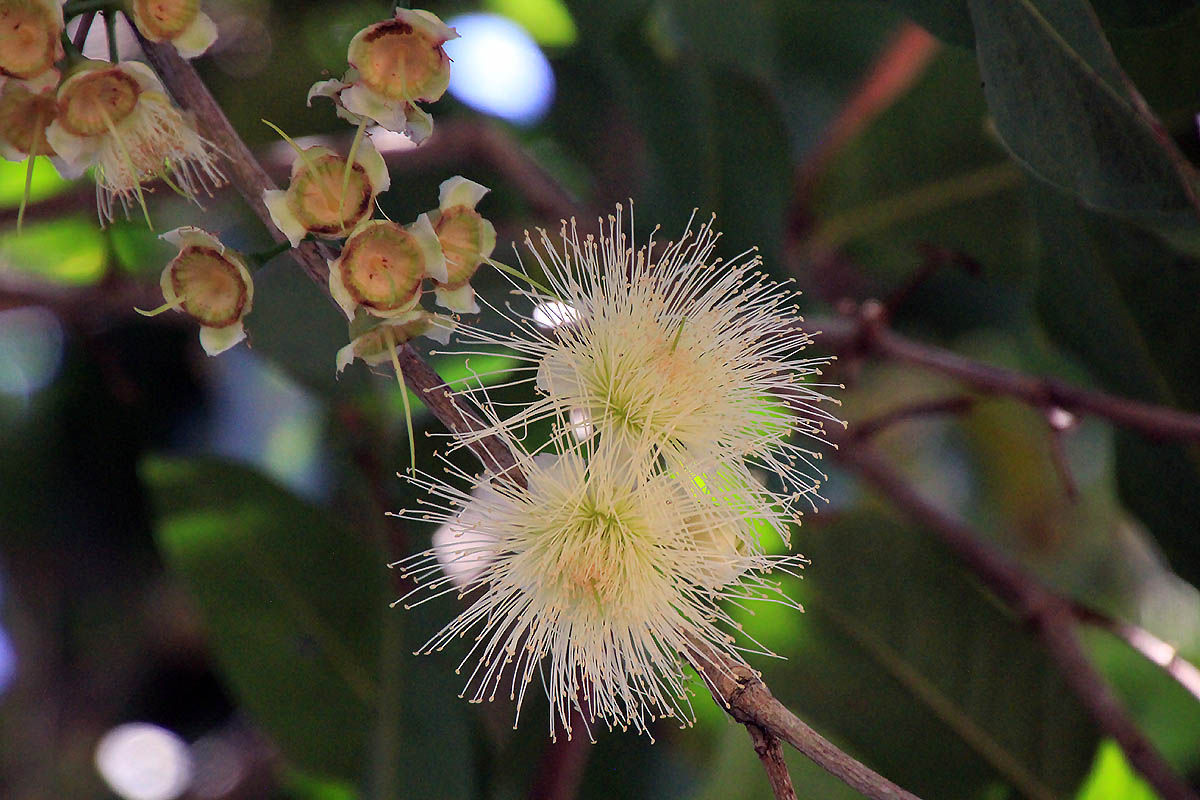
{"x":297,"y":610}
{"x":1110,"y":295}
{"x":292,"y":602}
{"x":1113,"y":777}
{"x":910,"y":663}
{"x":69,"y":251}
{"x":1058,"y":99}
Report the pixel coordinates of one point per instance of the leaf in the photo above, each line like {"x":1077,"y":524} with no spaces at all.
{"x":1110,"y":295}
{"x":904,"y":658}
{"x":297,"y":610}
{"x":70,"y":251}
{"x":950,"y":21}
{"x":1058,"y":99}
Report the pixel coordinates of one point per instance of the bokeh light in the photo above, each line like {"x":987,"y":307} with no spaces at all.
{"x":141,"y":761}
{"x":31,"y":350}
{"x":499,"y":69}
{"x":552,"y":314}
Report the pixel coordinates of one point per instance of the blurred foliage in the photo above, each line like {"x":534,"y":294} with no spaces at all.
{"x":1056,"y":234}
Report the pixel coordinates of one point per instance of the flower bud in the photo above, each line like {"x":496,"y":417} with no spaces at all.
{"x":314,"y":201}
{"x":373,"y":346}
{"x":467,"y":239}
{"x":382,"y":265}
{"x":180,"y":22}
{"x":209,"y":283}
{"x":29,"y":37}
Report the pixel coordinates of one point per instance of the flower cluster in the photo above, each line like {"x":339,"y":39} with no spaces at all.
{"x":114,"y":117}
{"x":599,"y":561}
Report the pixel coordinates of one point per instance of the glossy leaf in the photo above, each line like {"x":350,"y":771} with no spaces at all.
{"x":1059,"y":102}
{"x":296,"y":606}
{"x":908,"y":662}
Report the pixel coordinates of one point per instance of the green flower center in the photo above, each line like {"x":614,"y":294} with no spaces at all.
{"x":90,"y":103}
{"x":382,"y":267}
{"x":213,"y":288}
{"x":28,"y":33}
{"x":165,"y":19}
{"x":397,"y":61}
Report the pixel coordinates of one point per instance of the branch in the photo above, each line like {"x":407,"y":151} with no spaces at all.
{"x":868,"y":334}
{"x":250,"y":180}
{"x":957,"y":404}
{"x":1152,"y":648}
{"x":1050,"y":615}
{"x":771,"y":754}
{"x":742,"y":693}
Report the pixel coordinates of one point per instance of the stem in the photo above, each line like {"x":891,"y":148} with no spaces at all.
{"x":358,"y":134}
{"x":303,"y":155}
{"x":390,"y":338}
{"x":263,"y":256}
{"x":744,"y":696}
{"x":76,"y":7}
{"x":771,"y":754}
{"x":167,"y":306}
{"x":29,"y":162}
{"x":81,"y":33}
{"x":110,"y":28}
{"x":516,"y":273}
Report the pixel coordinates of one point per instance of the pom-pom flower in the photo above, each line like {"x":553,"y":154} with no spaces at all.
{"x":118,"y":118}
{"x":467,"y":241}
{"x":180,"y":22}
{"x":30,"y":32}
{"x":382,"y":265}
{"x":601,"y":583}
{"x":210,"y":283}
{"x":325,"y":197}
{"x":671,"y":352}
{"x":394,"y":64}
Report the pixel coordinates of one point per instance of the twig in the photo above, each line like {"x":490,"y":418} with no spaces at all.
{"x":958,"y":404}
{"x":742,"y":693}
{"x":81,"y":32}
{"x":869,"y":335}
{"x":1050,"y":615}
{"x":250,"y":180}
{"x":1152,"y":648}
{"x":771,"y":754}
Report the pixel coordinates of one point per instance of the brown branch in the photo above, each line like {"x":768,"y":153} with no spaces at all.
{"x":1149,"y":646}
{"x":771,"y":754}
{"x":250,"y":180}
{"x":1050,"y":615}
{"x":868,"y":335}
{"x":744,"y":696}
{"x":957,"y":404}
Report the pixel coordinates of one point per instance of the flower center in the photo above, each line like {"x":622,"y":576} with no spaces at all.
{"x":315,"y":196}
{"x":397,"y":61}
{"x":382,"y":267}
{"x":91,"y":103}
{"x":213,"y":289}
{"x":165,"y":19}
{"x":24,"y":117}
{"x":27,"y":37}
{"x":460,"y":230}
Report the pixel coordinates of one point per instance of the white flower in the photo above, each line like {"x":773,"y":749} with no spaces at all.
{"x":210,"y":283}
{"x":467,"y":241}
{"x":180,"y":22}
{"x":671,"y":352}
{"x":596,"y":581}
{"x":118,"y":118}
{"x":393,"y":65}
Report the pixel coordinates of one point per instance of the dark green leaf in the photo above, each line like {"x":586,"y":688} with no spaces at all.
{"x":297,"y":609}
{"x":904,"y":658}
{"x":1057,"y":97}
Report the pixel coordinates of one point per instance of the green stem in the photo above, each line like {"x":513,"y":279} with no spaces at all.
{"x":516,"y":273}
{"x":262,"y":257}
{"x":154,"y":312}
{"x":358,"y":135}
{"x":73,"y":54}
{"x":390,"y":338}
{"x":303,"y":154}
{"x":77,"y":7}
{"x":110,"y":28}
{"x":29,"y":162}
